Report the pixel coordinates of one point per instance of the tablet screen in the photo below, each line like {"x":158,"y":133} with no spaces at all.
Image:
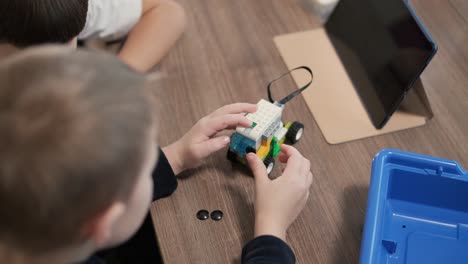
{"x":383,"y":48}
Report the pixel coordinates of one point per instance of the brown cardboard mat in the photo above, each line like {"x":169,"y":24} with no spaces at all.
{"x":332,"y":99}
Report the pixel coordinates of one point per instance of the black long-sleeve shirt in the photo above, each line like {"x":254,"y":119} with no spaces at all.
{"x":141,"y":248}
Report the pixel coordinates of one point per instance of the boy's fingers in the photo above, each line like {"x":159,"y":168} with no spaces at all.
{"x":257,"y":167}
{"x":293,"y":167}
{"x":229,"y":121}
{"x":293,"y":158}
{"x":235,"y":109}
{"x":305,"y":167}
{"x":286,"y":152}
{"x":310,"y":179}
{"x":295,"y":161}
{"x":283,"y":158}
{"x":213,"y":145}
{"x":289,"y":150}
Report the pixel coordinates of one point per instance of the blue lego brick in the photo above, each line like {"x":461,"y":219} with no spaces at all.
{"x":240,"y":143}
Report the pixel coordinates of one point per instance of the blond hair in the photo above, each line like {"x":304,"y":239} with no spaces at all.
{"x":74,"y":128}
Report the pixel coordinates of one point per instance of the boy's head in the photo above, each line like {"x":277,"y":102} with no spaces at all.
{"x":77,"y":147}
{"x":31,"y":22}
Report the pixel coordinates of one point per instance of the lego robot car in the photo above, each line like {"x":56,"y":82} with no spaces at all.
{"x":265,"y":136}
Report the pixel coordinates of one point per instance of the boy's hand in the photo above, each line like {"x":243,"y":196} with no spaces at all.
{"x":200,"y":141}
{"x":279,"y":202}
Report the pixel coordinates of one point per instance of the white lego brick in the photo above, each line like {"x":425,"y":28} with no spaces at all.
{"x":267,"y":113}
{"x":255,"y":134}
{"x":240,"y":130}
{"x":271,"y":130}
{"x":281,"y":133}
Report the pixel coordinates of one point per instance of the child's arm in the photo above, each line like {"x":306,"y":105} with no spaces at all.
{"x":201,"y":141}
{"x":279,"y":202}
{"x":161,"y":25}
{"x":277,"y":205}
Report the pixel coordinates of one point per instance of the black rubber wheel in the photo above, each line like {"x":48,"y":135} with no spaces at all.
{"x":231,"y":156}
{"x":269,"y":164}
{"x":250,"y":150}
{"x":295,"y":132}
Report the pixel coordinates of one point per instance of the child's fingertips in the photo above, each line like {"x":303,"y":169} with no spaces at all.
{"x":246,"y":123}
{"x":283,"y":159}
{"x":284,"y":148}
{"x":226,"y":140}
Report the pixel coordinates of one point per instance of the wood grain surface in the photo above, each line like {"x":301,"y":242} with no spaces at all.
{"x":227,"y":55}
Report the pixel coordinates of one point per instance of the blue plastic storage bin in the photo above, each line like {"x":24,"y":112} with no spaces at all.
{"x":417,"y":211}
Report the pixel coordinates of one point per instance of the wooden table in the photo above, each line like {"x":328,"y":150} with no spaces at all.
{"x":228,"y":55}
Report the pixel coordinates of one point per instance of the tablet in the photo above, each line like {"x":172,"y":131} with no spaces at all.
{"x":384,"y":48}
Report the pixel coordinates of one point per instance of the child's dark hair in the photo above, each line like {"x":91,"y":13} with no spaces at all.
{"x":31,"y":22}
{"x":75,"y":128}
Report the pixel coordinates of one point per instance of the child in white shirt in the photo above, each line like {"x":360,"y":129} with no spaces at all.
{"x":152,"y":26}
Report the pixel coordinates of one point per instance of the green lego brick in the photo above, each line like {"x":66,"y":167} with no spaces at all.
{"x":275,"y":147}
{"x":282,"y":140}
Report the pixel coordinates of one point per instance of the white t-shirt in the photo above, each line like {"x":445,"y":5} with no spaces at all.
{"x":111,"y":19}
